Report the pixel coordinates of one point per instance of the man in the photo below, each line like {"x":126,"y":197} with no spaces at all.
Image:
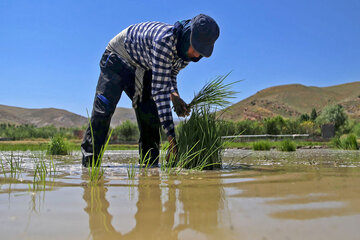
{"x":144,"y":60}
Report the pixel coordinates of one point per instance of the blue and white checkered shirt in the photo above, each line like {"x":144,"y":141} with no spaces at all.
{"x":152,"y":45}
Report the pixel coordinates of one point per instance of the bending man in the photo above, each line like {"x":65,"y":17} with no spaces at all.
{"x":143,"y":61}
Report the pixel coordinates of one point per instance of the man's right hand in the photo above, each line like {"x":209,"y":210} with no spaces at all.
{"x":180,"y":107}
{"x":172,"y":151}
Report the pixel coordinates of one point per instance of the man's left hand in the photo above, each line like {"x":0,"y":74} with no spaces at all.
{"x":180,"y":107}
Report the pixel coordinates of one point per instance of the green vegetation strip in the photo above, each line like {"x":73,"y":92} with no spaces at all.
{"x":43,"y":146}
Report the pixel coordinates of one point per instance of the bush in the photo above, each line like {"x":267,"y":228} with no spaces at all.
{"x":227,"y":128}
{"x":249,"y":127}
{"x":58,"y":146}
{"x":274,"y":125}
{"x":348,"y":143}
{"x":261,"y":146}
{"x":287,"y":146}
{"x":127,"y":131}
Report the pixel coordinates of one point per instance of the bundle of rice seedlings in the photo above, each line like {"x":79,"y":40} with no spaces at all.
{"x":215,"y":93}
{"x":200,"y":133}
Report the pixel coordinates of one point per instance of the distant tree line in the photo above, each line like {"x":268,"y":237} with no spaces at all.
{"x":30,"y":131}
{"x":307,"y":123}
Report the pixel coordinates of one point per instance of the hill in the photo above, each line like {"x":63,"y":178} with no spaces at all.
{"x":121,"y":115}
{"x":40,"y":117}
{"x":295,"y":99}
{"x":57,"y":117}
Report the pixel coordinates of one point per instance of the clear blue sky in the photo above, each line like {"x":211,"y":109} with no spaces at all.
{"x":50,"y":50}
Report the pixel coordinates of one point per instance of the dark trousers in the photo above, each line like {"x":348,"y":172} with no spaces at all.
{"x":116,"y":77}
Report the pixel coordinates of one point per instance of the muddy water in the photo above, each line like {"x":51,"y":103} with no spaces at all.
{"x":309,"y":194}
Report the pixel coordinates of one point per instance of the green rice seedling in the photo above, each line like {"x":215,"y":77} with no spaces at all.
{"x":131,"y":171}
{"x":3,"y":168}
{"x":287,"y":146}
{"x":14,"y":165}
{"x":178,"y":162}
{"x":200,"y":134}
{"x":214,"y":93}
{"x":261,"y":146}
{"x":42,"y":172}
{"x":58,"y":146}
{"x":95,"y":169}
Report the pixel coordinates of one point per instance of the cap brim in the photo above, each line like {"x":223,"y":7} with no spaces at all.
{"x":203,"y":49}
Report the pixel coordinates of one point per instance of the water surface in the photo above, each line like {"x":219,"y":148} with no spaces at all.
{"x":307,"y":194}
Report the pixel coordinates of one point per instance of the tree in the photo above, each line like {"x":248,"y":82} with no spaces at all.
{"x":313,"y":115}
{"x":304,"y":117}
{"x":332,"y":114}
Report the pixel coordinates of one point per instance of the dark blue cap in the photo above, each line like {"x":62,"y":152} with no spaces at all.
{"x":204,"y":32}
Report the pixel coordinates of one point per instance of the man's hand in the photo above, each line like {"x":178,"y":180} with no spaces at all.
{"x":172,"y":151}
{"x":180,"y":107}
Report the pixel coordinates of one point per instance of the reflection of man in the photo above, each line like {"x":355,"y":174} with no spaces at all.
{"x":198,"y":210}
{"x":151,"y":221}
{"x":144,"y":60}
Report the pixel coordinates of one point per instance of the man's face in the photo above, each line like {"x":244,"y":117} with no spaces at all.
{"x":192,"y":53}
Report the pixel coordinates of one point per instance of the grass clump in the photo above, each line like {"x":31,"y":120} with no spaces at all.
{"x":347,"y":143}
{"x":58,"y":146}
{"x":199,"y":141}
{"x":261,"y":146}
{"x":286,"y":146}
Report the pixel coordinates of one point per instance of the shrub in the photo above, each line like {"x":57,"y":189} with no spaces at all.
{"x":58,"y":146}
{"x":348,"y":143}
{"x":287,"y":146}
{"x":249,"y":127}
{"x":261,"y":146}
{"x":127,"y":131}
{"x":274,"y":125}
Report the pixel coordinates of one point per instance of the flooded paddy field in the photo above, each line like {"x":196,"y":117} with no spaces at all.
{"x":307,"y":194}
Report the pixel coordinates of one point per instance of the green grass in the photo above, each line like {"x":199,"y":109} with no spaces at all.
{"x":286,"y":146}
{"x":43,"y":146}
{"x":261,"y":145}
{"x":274,"y":144}
{"x":347,"y":143}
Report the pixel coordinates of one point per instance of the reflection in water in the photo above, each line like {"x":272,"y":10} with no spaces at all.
{"x":185,"y":207}
{"x":307,"y":194}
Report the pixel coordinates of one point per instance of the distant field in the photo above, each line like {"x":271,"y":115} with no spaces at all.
{"x":42,"y":145}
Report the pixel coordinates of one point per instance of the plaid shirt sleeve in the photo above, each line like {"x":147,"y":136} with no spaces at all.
{"x":173,"y":82}
{"x":163,"y":83}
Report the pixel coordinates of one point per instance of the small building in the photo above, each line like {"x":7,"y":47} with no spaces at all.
{"x":328,"y":130}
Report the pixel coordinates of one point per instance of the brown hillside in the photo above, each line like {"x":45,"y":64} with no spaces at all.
{"x":292,"y":100}
{"x":40,"y":117}
{"x":121,"y":115}
{"x":57,"y":117}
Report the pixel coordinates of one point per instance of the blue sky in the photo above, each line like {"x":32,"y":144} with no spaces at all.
{"x":50,"y":50}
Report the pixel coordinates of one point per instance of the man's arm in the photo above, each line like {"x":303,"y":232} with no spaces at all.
{"x":161,"y":86}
